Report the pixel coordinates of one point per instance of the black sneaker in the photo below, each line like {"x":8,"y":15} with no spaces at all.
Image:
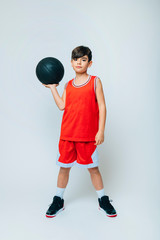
{"x":106,"y":206}
{"x":56,"y":207}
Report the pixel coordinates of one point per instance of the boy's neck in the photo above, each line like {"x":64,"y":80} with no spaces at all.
{"x":81,"y":76}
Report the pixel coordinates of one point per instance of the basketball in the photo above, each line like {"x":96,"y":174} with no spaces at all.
{"x":50,"y":70}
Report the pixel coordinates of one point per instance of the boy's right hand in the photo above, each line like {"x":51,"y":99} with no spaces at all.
{"x":50,"y":85}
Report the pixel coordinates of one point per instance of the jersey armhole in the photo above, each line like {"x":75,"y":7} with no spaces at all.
{"x":95,"y":85}
{"x":65,"y":85}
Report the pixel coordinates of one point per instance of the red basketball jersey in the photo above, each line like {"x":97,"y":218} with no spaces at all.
{"x":80,"y":121}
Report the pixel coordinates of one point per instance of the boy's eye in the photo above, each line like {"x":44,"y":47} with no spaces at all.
{"x":75,"y":59}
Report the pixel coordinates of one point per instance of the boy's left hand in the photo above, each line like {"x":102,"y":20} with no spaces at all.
{"x":99,"y":138}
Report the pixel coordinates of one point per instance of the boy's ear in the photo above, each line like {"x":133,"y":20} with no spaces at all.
{"x":90,"y":64}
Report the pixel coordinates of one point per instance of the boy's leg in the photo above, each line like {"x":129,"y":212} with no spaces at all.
{"x":104,"y":202}
{"x":96,"y":178}
{"x":97,"y":181}
{"x":62,"y":179}
{"x":58,"y":201}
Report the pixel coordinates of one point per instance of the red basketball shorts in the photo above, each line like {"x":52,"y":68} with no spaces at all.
{"x":82,"y":154}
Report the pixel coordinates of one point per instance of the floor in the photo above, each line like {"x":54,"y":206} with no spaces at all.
{"x":23,"y":217}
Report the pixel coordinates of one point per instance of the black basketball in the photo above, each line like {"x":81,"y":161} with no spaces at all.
{"x":50,"y":70}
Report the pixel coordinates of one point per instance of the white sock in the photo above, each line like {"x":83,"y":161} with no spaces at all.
{"x":100,"y":193}
{"x":60,"y":192}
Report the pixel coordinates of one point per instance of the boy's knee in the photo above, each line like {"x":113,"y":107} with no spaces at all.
{"x":93,"y":170}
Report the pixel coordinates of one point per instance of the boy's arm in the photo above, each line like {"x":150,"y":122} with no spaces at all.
{"x":101,"y":105}
{"x":60,"y":101}
{"x":64,"y":99}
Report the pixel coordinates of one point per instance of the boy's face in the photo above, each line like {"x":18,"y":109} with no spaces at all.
{"x":81,"y":64}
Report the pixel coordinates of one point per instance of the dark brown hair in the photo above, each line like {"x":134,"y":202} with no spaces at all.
{"x":80,"y":51}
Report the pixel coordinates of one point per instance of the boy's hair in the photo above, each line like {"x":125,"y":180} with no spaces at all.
{"x":80,"y":51}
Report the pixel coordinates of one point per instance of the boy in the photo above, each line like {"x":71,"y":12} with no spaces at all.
{"x":82,"y":129}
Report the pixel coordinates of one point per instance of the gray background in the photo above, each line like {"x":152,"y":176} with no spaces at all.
{"x":124,"y":39}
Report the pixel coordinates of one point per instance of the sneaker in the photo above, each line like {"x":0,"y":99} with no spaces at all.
{"x":106,"y":206}
{"x":56,"y":207}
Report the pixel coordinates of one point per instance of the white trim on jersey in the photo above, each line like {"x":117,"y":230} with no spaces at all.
{"x":81,"y":85}
{"x":95,"y":85}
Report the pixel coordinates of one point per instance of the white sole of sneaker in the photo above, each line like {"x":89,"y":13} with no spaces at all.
{"x":51,"y":216}
{"x":113,"y":215}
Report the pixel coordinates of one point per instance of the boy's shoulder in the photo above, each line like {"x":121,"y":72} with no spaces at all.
{"x":65,"y":85}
